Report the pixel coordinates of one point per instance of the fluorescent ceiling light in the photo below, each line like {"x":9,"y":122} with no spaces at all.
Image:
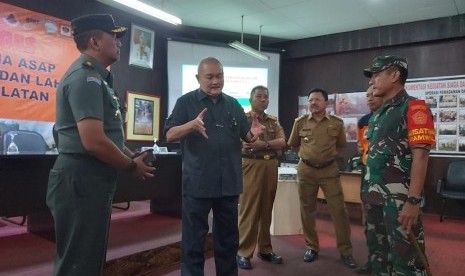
{"x":248,"y":50}
{"x":147,"y":9}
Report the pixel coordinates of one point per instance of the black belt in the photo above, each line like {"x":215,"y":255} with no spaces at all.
{"x":261,"y":157}
{"x":317,"y":166}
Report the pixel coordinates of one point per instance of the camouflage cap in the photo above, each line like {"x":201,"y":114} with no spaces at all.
{"x":381,"y":63}
{"x":102,"y":22}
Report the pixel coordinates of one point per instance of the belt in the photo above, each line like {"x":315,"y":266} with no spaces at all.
{"x":260,"y":157}
{"x":317,"y":166}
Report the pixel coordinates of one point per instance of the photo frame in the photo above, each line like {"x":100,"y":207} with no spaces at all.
{"x":141,"y":47}
{"x":142,"y":117}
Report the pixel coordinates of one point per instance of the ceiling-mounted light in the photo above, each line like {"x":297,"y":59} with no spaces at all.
{"x":247,"y":49}
{"x":152,"y":11}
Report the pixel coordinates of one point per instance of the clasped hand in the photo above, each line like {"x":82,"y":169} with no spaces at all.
{"x":143,"y":170}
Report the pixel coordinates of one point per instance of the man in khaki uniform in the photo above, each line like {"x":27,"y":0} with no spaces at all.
{"x":318,"y":137}
{"x":260,"y":178}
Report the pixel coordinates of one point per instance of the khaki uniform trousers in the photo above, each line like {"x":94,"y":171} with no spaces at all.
{"x":309,"y":180}
{"x":260,"y":178}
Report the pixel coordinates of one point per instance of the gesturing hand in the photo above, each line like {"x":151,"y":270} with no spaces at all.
{"x":198,"y":125}
{"x":256,"y":129}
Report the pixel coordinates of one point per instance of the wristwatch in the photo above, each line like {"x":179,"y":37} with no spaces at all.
{"x":413,"y":200}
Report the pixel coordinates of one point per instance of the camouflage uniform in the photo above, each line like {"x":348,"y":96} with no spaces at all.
{"x":370,"y":211}
{"x":389,"y":163}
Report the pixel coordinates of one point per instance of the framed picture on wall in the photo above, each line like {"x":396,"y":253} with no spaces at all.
{"x":141,"y":47}
{"x":142,"y":117}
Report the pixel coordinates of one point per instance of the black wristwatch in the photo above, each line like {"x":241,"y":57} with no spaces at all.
{"x":413,"y":200}
{"x":131,"y":167}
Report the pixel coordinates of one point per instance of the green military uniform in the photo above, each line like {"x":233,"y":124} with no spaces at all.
{"x":370,"y":211}
{"x":318,"y":144}
{"x":81,"y":187}
{"x":388,"y":179}
{"x":260,"y":180}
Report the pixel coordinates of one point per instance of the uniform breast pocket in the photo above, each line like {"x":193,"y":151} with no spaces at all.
{"x":306,"y":136}
{"x":271,"y":133}
{"x":385,"y":152}
{"x":332,"y":131}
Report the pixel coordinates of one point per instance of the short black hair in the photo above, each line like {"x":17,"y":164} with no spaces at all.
{"x":322,"y":91}
{"x":254,"y":90}
{"x":83,"y":38}
{"x":403,"y":74}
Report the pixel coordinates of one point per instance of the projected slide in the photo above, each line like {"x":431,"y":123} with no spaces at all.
{"x":241,"y":72}
{"x":238,"y":81}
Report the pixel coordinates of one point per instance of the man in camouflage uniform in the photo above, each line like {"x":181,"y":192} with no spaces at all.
{"x":401,"y":135}
{"x":374,"y":103}
{"x":260,"y":178}
{"x":318,"y":138}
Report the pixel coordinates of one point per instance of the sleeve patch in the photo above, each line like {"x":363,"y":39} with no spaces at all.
{"x":94,"y":79}
{"x":420,"y":124}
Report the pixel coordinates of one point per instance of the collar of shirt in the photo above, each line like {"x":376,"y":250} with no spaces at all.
{"x":202,"y":95}
{"x":398,"y":98}
{"x":310,"y":116}
{"x":261,"y":118}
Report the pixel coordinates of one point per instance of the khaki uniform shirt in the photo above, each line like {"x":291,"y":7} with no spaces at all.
{"x":318,"y":142}
{"x":273,"y":131}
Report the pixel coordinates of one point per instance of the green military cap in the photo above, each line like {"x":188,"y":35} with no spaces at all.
{"x":381,"y":63}
{"x":102,"y":22}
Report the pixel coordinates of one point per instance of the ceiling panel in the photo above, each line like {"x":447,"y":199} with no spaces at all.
{"x":460,"y":4}
{"x":297,"y":19}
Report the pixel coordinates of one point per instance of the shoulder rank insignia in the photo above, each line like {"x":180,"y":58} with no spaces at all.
{"x":336,"y":117}
{"x":88,"y":64}
{"x":301,"y":117}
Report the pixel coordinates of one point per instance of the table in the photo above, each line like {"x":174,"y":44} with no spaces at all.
{"x":350,"y":182}
{"x":286,"y":209}
{"x":285,"y":218}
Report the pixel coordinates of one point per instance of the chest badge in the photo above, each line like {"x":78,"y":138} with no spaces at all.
{"x":118,"y":114}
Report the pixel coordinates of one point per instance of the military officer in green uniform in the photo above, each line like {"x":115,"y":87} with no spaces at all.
{"x":91,"y":149}
{"x":401,"y":134}
{"x":374,"y":103}
{"x":260,"y":178}
{"x":318,"y":138}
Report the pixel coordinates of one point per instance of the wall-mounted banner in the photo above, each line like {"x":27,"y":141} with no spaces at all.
{"x":445,"y":96}
{"x":35,"y":51}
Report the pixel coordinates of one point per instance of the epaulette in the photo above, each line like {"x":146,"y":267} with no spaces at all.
{"x":336,"y":117}
{"x":88,"y":64}
{"x":301,"y":117}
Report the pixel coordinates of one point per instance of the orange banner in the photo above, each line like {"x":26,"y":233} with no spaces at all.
{"x":35,"y":52}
